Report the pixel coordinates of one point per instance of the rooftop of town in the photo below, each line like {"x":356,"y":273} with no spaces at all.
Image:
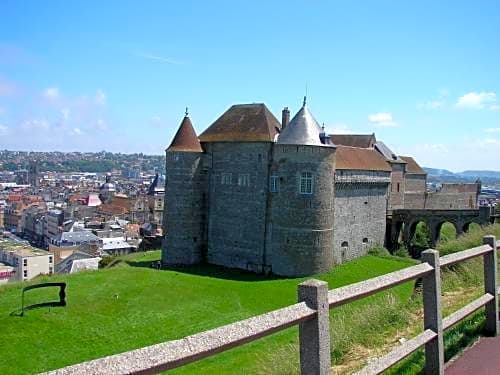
{"x":20,"y":248}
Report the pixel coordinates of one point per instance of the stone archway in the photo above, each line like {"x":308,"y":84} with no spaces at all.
{"x":418,"y":236}
{"x":447,"y":230}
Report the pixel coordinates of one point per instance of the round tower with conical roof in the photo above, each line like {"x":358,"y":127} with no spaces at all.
{"x":302,"y":203}
{"x":185,"y":195}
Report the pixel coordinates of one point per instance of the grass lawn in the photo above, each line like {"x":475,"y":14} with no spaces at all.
{"x":131,"y":305}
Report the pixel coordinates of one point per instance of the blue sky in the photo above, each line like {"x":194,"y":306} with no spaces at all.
{"x":115,"y":75}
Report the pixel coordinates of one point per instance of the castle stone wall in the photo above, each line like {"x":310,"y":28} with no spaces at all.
{"x":237,"y":212}
{"x":361,"y":200}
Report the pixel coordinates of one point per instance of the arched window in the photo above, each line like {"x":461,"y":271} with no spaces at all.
{"x":365,"y":240}
{"x":345,"y":244}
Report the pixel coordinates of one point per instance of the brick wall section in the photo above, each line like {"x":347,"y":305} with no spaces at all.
{"x":454,"y":196}
{"x":301,"y":225}
{"x":184,"y":215}
{"x":237,"y":214}
{"x":360,"y":212}
{"x":415,"y":183}
{"x":396,"y":196}
{"x":415,"y":191}
{"x":451,"y":197}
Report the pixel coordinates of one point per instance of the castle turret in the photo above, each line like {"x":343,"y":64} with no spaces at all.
{"x":302,"y":188}
{"x":184,"y":224}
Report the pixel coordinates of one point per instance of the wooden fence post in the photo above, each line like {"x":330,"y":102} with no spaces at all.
{"x":314,"y":334}
{"x":434,"y":349}
{"x":490,"y":286}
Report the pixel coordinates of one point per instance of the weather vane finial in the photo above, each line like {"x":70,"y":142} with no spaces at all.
{"x":187,"y":112}
{"x":305,"y":97}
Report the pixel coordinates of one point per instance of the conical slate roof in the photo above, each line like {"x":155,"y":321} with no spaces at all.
{"x":185,"y":139}
{"x":302,"y":130}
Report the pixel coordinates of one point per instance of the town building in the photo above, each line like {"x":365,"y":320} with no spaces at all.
{"x":25,"y":261}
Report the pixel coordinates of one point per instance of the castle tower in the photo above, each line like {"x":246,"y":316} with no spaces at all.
{"x":185,"y":195}
{"x":302,"y":199}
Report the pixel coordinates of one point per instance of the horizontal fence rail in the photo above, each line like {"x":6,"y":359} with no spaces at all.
{"x":165,"y":356}
{"x":448,"y":260}
{"x":352,"y":292}
{"x":312,"y":316}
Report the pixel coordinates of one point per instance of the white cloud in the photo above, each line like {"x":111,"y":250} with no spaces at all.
{"x":477,"y":100}
{"x":492,"y":130}
{"x":36,"y":125}
{"x":77,"y":131}
{"x":151,"y":56}
{"x":3,"y":129}
{"x":431,"y":104}
{"x":51,"y":93}
{"x":475,"y":153}
{"x":382,"y":119}
{"x":65,"y":113}
{"x":495,"y":107}
{"x":101,"y":124}
{"x":339,"y":129}
{"x":100,"y":97}
{"x":443,"y":92}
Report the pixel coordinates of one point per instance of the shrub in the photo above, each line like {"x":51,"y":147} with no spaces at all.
{"x":378,"y":250}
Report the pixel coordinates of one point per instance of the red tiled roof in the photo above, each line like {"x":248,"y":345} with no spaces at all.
{"x":117,"y":206}
{"x":354,"y":140}
{"x":412,"y":166}
{"x":365,"y":159}
{"x":243,"y":123}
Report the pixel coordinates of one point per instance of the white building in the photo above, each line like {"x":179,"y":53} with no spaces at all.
{"x":23,"y":262}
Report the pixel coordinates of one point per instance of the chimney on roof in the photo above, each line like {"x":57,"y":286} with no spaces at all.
{"x":285,"y":118}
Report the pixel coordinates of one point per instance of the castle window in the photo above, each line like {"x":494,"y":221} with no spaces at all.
{"x":398,"y":187}
{"x":306,"y":183}
{"x":274,"y":183}
{"x":365,"y":240}
{"x":226,"y":179}
{"x":244,"y":179}
{"x":345,"y":244}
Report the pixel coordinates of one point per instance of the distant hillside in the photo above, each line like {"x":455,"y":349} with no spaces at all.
{"x":445,"y":175}
{"x":438,"y":172}
{"x":491,"y":174}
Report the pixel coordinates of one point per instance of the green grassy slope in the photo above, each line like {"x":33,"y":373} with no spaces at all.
{"x":131,"y":305}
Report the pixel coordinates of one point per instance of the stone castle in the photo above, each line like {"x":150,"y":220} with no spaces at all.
{"x":287,"y":198}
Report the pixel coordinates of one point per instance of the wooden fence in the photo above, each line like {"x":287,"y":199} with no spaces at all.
{"x":312,"y":314}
